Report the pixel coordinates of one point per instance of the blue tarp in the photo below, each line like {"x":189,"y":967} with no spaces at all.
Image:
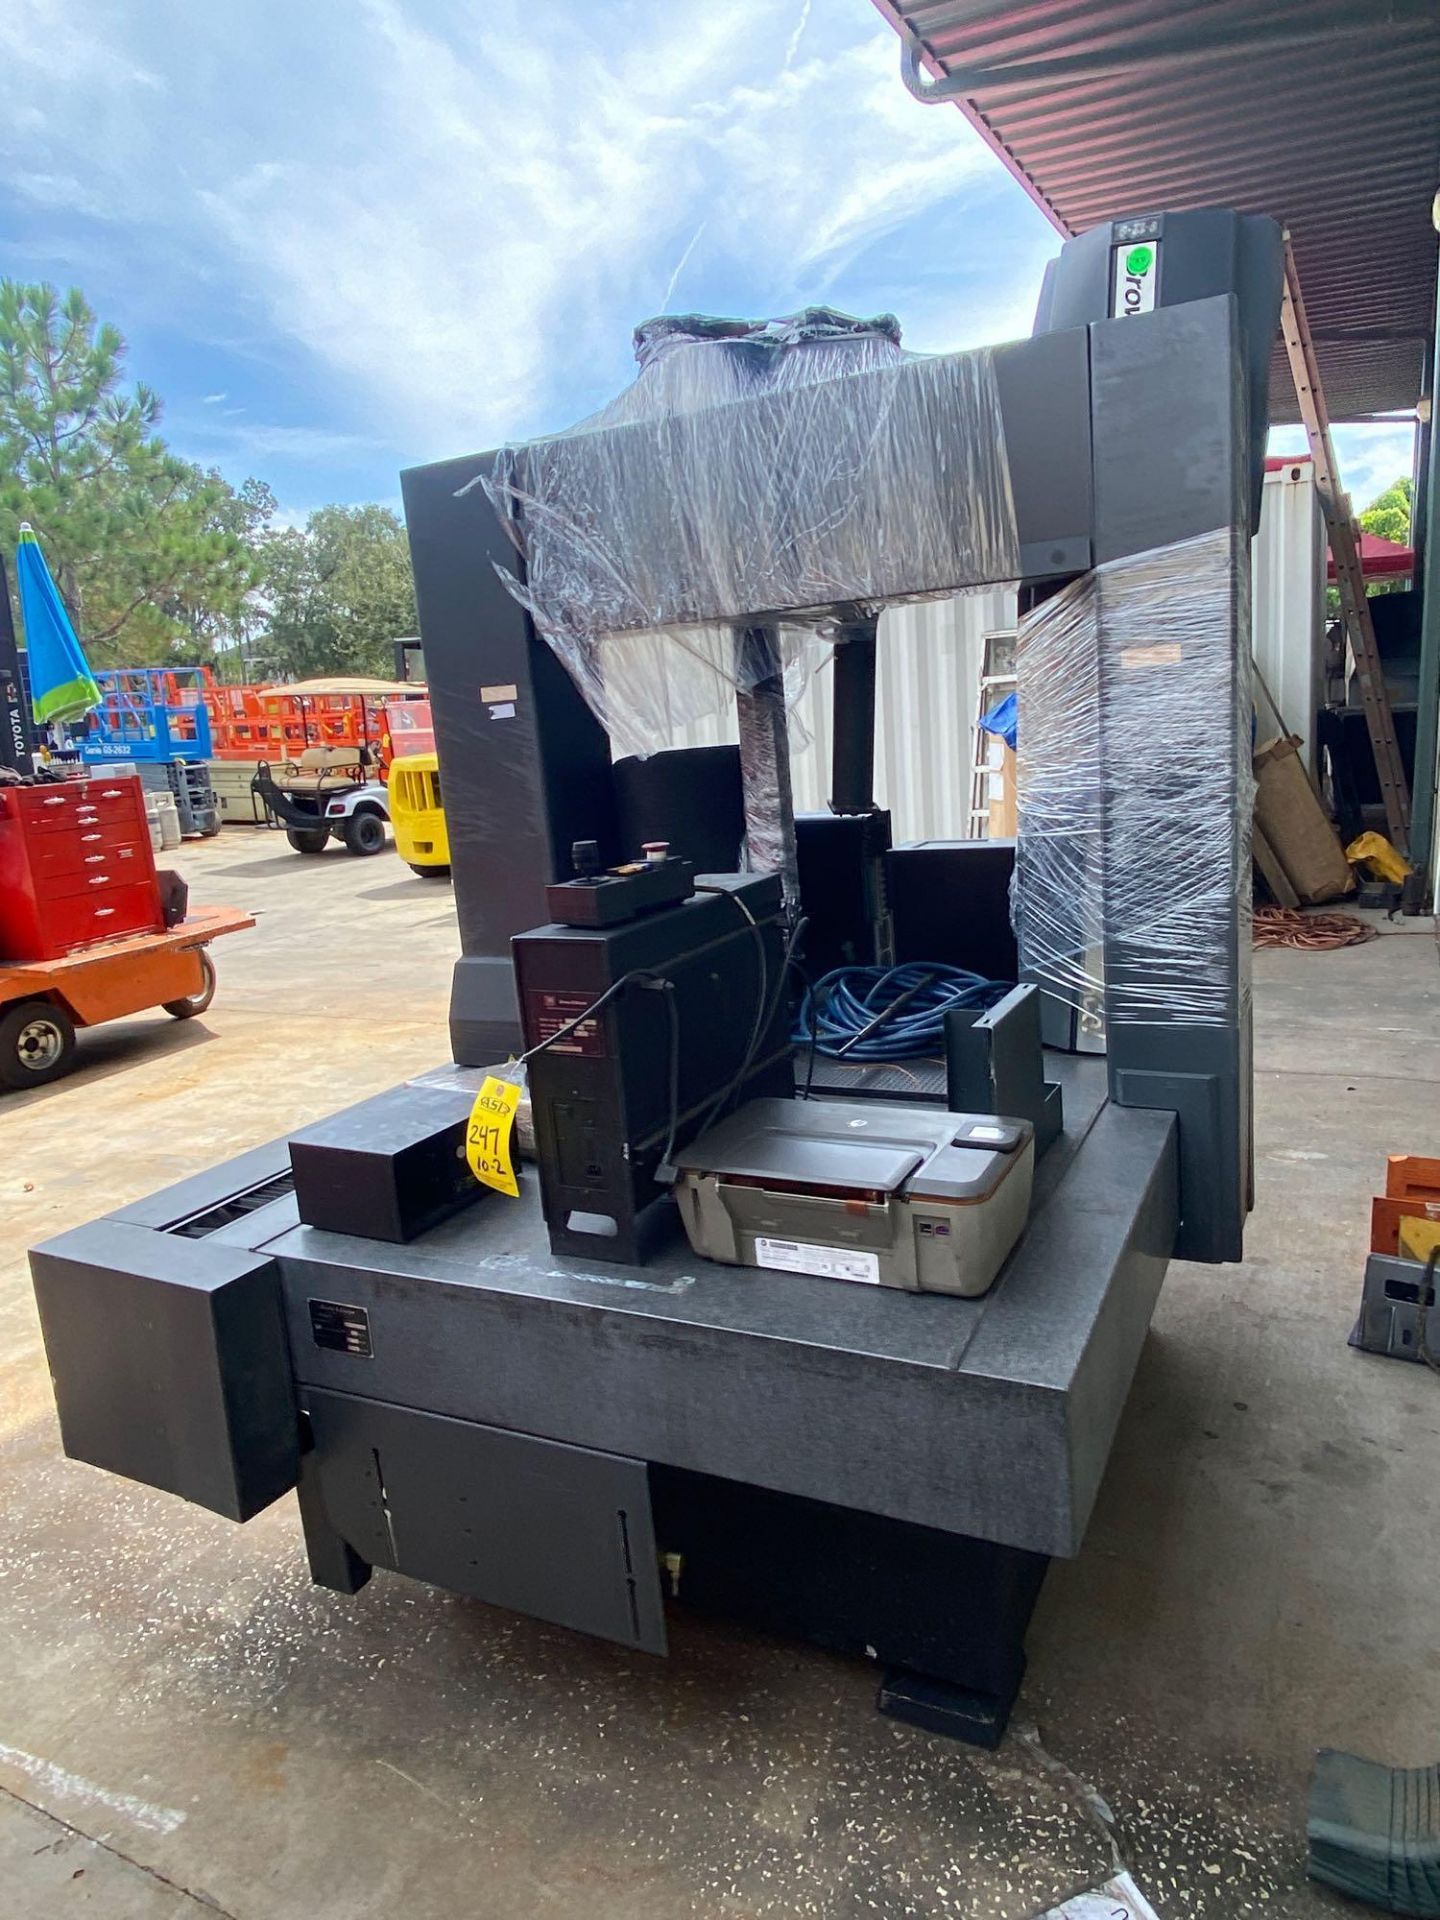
{"x":1004,"y":720}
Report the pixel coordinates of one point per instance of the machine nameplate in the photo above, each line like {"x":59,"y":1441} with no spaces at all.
{"x":831,"y":1263}
{"x":344,"y":1329}
{"x":549,"y":1012}
{"x":1136,"y":279}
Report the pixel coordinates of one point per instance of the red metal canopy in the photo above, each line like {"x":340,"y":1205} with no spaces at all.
{"x":1324,"y":114}
{"x":1381,"y":559}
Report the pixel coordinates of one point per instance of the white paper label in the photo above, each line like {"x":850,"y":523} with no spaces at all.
{"x":1118,"y":1899}
{"x":831,"y":1263}
{"x":1137,"y":272}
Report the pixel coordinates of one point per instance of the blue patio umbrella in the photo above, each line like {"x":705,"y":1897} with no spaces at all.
{"x":62,"y":686}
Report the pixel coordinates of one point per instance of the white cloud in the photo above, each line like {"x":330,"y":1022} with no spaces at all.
{"x":58,"y":193}
{"x":52,"y":43}
{"x":258,"y":441}
{"x":214,"y":399}
{"x":460,"y":226}
{"x":798,"y":34}
{"x":288,"y":519}
{"x":946,"y":317}
{"x":667,"y":298}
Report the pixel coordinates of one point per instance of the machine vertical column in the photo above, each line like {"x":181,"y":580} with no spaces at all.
{"x":852,"y":750}
{"x":765,"y":757}
{"x":524,"y":763}
{"x":1426,"y":536}
{"x":1170,"y":437}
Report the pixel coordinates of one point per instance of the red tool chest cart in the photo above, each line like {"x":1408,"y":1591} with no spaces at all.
{"x":76,"y":867}
{"x":82,"y":928}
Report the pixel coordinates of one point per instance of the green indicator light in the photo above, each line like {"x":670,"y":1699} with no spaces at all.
{"x":1139,"y":261}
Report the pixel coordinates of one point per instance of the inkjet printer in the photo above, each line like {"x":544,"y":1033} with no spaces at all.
{"x":892,"y":1196}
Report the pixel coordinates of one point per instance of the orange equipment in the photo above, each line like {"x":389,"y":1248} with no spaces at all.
{"x":409,"y":728}
{"x":277,"y":723}
{"x":1412,"y":1192}
{"x":240,"y":728}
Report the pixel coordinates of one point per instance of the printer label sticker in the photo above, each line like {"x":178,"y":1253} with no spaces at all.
{"x":342,"y":1328}
{"x":830,"y":1263}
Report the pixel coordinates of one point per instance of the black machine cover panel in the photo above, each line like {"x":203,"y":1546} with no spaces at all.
{"x":556,"y":1531}
{"x":169,"y":1362}
{"x":1198,"y":254}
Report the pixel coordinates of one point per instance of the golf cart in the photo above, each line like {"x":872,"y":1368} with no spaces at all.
{"x":335,"y":788}
{"x":327,"y":792}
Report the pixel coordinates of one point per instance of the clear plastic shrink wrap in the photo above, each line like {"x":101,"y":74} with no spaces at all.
{"x":754,"y":473}
{"x":1135,"y":787}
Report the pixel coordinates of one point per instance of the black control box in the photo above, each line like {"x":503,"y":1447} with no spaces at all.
{"x":607,"y":897}
{"x":389,"y":1168}
{"x":841,"y":863}
{"x":701,"y":1024}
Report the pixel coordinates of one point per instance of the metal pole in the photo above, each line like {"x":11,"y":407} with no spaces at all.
{"x":852,"y":752}
{"x":15,"y":722}
{"x":1422,"y":816}
{"x":765,"y":758}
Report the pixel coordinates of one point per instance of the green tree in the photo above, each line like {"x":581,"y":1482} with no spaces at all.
{"x":223,"y":633}
{"x":1388,"y":515}
{"x":147,"y":549}
{"x":337,"y":592}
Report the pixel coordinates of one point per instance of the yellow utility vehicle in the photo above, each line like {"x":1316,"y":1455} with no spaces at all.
{"x":417,"y":816}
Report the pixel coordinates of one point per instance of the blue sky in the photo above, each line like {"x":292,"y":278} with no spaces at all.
{"x":343,"y":236}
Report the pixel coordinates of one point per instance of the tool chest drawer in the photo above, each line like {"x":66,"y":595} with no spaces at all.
{"x":80,"y":919}
{"x":60,"y":857}
{"x":79,"y":803}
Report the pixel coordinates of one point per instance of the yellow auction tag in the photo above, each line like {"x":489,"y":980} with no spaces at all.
{"x":487,"y":1138}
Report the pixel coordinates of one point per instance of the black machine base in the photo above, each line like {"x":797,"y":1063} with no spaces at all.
{"x":944,"y":1615}
{"x":807,"y":1458}
{"x":948,"y":1611}
{"x":938,"y":1706}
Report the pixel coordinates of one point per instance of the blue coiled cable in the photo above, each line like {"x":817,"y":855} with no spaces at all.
{"x":845,"y":1001}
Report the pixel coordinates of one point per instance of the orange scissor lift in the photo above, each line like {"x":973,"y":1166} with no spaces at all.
{"x":277,"y":723}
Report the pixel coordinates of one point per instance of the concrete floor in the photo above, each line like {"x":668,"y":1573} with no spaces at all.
{"x":186,"y":1725}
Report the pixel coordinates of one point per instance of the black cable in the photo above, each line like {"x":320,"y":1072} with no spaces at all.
{"x":813,"y":1021}
{"x":673,"y":1010}
{"x":563,"y":1033}
{"x":758,"y":1024}
{"x":772,"y":1002}
{"x":1425,"y":1298}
